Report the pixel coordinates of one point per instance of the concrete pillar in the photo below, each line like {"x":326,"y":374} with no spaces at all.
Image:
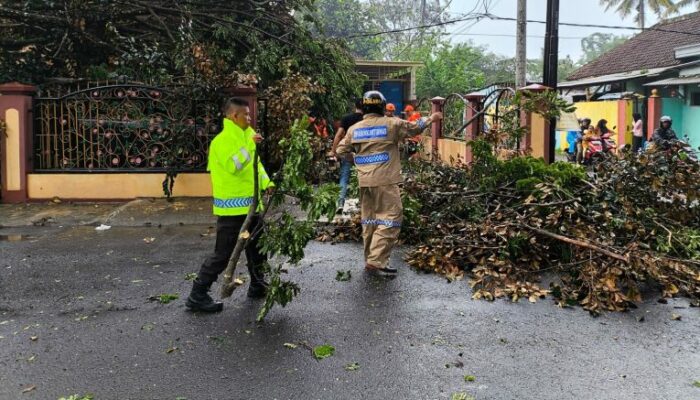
{"x":623,"y":125}
{"x":16,"y":143}
{"x":438,"y":104}
{"x":536,"y":139}
{"x":473,"y":107}
{"x":654,"y":111}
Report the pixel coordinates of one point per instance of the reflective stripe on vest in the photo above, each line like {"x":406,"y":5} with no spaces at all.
{"x":379,"y":158}
{"x":384,"y":222}
{"x":237,"y":160}
{"x":234,"y":202}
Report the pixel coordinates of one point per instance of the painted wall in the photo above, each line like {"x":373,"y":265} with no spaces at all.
{"x":690,"y":122}
{"x":675,"y":108}
{"x":96,"y":186}
{"x":597,"y":110}
{"x":452,"y":150}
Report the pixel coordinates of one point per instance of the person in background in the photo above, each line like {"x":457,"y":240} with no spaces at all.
{"x":345,"y":163}
{"x":637,"y":132}
{"x":604,"y":132}
{"x":374,"y":141}
{"x":664,"y":134}
{"x":390,"y":110}
{"x":410,"y":113}
{"x":320,"y":127}
{"x":584,"y":125}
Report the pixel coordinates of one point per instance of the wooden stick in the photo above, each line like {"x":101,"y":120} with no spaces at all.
{"x":228,"y":286}
{"x":578,"y":243}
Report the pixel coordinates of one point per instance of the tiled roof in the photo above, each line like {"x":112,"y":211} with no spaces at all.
{"x":652,"y":48}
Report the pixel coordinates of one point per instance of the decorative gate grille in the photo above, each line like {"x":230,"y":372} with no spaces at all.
{"x":123,"y":127}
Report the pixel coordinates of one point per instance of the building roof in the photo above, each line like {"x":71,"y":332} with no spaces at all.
{"x":652,"y":48}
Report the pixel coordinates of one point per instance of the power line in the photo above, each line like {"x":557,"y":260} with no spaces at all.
{"x":495,"y":17}
{"x":479,"y":17}
{"x":509,"y":35}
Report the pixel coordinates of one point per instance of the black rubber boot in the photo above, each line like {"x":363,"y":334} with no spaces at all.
{"x":257,"y":290}
{"x":199,"y":299}
{"x":258,"y":286}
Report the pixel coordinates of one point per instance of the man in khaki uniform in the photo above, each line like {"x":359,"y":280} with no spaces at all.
{"x":375,"y":143}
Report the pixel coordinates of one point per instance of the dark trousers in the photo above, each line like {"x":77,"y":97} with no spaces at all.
{"x":637,"y":143}
{"x":227,"y":231}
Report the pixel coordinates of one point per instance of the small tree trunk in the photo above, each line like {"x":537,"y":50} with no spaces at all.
{"x":228,"y":286}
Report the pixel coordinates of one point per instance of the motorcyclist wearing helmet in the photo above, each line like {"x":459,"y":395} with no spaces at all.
{"x":664,"y":134}
{"x":375,"y":143}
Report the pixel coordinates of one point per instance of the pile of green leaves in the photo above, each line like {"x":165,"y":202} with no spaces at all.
{"x":285,"y":236}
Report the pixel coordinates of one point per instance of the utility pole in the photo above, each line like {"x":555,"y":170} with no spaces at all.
{"x":551,"y":63}
{"x":641,"y":11}
{"x":521,"y":45}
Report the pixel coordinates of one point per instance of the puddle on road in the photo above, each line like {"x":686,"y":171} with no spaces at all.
{"x":14,"y":238}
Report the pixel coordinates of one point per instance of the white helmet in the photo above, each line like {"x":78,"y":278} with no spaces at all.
{"x":665,"y":118}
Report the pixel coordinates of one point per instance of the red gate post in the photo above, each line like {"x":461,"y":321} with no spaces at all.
{"x":473,"y":107}
{"x":16,"y":144}
{"x":623,"y":125}
{"x":654,"y":111}
{"x":438,"y":104}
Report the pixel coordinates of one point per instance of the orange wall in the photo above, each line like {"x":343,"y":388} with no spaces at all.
{"x":451,"y":150}
{"x":96,"y":186}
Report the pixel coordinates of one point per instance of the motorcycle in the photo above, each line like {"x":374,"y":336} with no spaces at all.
{"x":598,"y":148}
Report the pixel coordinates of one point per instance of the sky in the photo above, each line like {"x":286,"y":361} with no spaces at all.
{"x":496,"y":35}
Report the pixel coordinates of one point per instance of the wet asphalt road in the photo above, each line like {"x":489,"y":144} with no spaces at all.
{"x":83,"y":296}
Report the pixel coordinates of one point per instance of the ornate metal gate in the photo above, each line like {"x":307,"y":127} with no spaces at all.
{"x":123,"y":127}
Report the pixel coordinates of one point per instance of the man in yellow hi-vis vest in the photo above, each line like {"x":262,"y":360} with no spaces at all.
{"x":231,"y":167}
{"x":375,"y":143}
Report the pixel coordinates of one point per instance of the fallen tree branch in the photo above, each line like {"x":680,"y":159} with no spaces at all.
{"x":578,"y":243}
{"x":228,"y":286}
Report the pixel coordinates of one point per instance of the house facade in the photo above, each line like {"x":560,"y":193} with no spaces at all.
{"x":656,"y":72}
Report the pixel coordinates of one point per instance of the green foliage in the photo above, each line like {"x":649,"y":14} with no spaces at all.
{"x":279,"y":292}
{"x":344,"y":18}
{"x":323,"y":351}
{"x":164,"y":298}
{"x":343,"y":276}
{"x":78,"y":397}
{"x":451,"y":69}
{"x":469,"y":378}
{"x":287,"y":236}
{"x":595,"y":44}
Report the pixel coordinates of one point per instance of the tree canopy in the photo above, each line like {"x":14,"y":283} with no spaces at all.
{"x":210,"y":43}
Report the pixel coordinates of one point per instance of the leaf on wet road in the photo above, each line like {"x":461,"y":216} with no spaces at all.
{"x":149,"y":240}
{"x":191,"y":276}
{"x":352,"y":367}
{"x":29,"y":389}
{"x":469,"y":378}
{"x":675,"y":317}
{"x":164,"y":298}
{"x":290,"y":345}
{"x":343,"y":276}
{"x":323,"y":351}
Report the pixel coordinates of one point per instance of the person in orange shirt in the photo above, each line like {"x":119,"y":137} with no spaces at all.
{"x":413,"y":142}
{"x":390,"y":110}
{"x":411,"y":114}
